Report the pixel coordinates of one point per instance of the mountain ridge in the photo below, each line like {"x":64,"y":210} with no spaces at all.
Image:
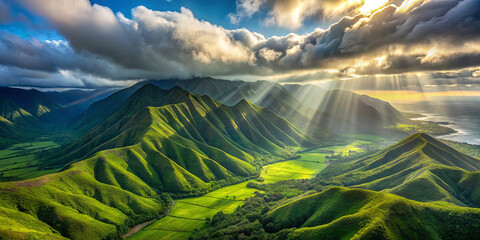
{"x":417,"y":163}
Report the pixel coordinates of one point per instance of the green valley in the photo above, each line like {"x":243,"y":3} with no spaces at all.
{"x":20,"y":162}
{"x":240,"y":120}
{"x":188,"y":215}
{"x":156,"y":161}
{"x":159,"y":141}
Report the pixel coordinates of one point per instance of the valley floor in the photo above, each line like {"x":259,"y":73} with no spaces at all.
{"x":19,"y":162}
{"x":189,"y":214}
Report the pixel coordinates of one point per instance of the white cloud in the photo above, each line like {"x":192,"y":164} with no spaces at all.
{"x":269,"y":54}
{"x":164,"y":44}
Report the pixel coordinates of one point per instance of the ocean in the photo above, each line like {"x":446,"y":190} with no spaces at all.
{"x":464,"y":117}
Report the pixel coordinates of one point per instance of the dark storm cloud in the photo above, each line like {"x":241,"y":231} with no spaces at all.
{"x":50,"y":56}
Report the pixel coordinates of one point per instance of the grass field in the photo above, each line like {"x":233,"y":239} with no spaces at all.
{"x":189,"y":214}
{"x":309,"y":165}
{"x":19,"y":162}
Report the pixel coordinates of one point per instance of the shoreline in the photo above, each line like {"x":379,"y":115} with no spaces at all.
{"x":445,"y":121}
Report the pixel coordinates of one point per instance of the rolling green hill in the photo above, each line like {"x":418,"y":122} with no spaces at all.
{"x":157,"y":141}
{"x":74,"y":203}
{"x":419,"y":168}
{"x":199,"y":138}
{"x":349,"y":112}
{"x":31,"y":113}
{"x":342,"y":213}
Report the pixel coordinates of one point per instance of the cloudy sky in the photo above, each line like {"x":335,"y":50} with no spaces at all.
{"x":365,"y":43}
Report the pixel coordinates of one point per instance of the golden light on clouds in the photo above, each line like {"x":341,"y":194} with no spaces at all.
{"x":372,"y":5}
{"x":414,"y":96}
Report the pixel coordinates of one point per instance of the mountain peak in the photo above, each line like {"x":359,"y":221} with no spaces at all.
{"x":178,"y":90}
{"x":421,"y":137}
{"x":148,"y":87}
{"x":243,"y":104}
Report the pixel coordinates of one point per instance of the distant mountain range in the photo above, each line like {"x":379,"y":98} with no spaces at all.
{"x":340,"y":110}
{"x":26,"y":114}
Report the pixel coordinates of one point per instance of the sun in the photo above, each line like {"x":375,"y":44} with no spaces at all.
{"x":371,"y":5}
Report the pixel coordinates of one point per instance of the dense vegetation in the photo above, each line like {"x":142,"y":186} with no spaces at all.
{"x":313,"y":209}
{"x":145,"y":144}
{"x":411,"y":168}
{"x":158,"y":141}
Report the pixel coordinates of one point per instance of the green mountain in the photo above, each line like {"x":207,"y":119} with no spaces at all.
{"x":419,"y":168}
{"x":200,"y":138}
{"x":50,"y":107}
{"x":32,"y":101}
{"x":342,"y":213}
{"x":100,"y":110}
{"x":349,"y":111}
{"x":157,"y":141}
{"x":31,"y":113}
{"x":271,"y":96}
{"x":16,"y":124}
{"x":310,"y":108}
{"x":74,"y":204}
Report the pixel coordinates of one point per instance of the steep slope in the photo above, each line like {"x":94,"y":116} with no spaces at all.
{"x":419,"y":168}
{"x":16,"y":124}
{"x":262,"y":93}
{"x":310,"y":108}
{"x":199,"y":138}
{"x":342,"y":213}
{"x":8,"y":133}
{"x":31,"y":113}
{"x":75,"y":204}
{"x":265,"y":94}
{"x":158,"y":141}
{"x":99,"y":111}
{"x":32,"y":101}
{"x":14,"y":113}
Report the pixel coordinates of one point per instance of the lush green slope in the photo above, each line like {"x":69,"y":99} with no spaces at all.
{"x":418,"y":167}
{"x":157,"y":141}
{"x":309,"y":108}
{"x":342,"y":213}
{"x":32,"y":101}
{"x":99,"y":111}
{"x":196,"y":138}
{"x":74,"y":203}
{"x":31,"y":113}
{"x":340,"y":110}
{"x":16,"y":124}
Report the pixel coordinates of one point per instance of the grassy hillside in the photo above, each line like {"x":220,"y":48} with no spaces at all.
{"x":99,"y":111}
{"x":418,"y":167}
{"x":340,"y":110}
{"x":158,"y":141}
{"x":28,"y":114}
{"x":342,"y":213}
{"x":196,"y":138}
{"x":75,"y":203}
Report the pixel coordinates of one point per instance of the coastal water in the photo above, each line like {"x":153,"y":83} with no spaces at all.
{"x":464,"y":117}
